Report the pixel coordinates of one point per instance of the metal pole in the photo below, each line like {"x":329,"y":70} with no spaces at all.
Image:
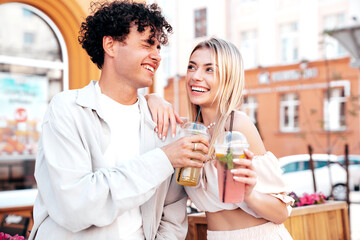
{"x":346,"y":161}
{"x":328,"y":142}
{"x":312,"y":167}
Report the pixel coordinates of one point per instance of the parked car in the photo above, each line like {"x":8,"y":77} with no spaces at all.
{"x":297,"y":174}
{"x":354,"y":169}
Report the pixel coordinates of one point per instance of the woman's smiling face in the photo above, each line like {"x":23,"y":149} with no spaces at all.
{"x":202,"y":82}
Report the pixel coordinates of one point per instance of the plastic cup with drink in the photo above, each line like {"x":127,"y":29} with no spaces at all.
{"x":229,"y":146}
{"x":189,"y":176}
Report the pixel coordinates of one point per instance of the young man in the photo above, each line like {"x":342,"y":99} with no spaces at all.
{"x":101,"y":170}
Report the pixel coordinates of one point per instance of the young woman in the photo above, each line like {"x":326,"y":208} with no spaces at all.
{"x":215,"y":82}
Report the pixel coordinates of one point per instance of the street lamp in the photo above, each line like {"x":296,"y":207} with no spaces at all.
{"x":349,"y":38}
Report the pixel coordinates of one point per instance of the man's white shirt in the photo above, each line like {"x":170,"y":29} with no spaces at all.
{"x":124,"y":124}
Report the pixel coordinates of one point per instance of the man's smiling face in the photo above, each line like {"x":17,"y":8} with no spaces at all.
{"x":137,"y":58}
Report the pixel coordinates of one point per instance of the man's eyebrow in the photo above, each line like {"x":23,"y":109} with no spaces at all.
{"x":145,"y":41}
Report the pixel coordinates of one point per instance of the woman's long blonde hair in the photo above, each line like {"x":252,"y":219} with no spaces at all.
{"x":231,"y":76}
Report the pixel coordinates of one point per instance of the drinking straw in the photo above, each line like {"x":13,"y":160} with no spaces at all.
{"x":181,"y":169}
{"x":227,"y":152}
{"x":197,"y":115}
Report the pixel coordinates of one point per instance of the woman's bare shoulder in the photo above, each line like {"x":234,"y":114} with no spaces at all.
{"x":243,"y":124}
{"x":242,"y":121}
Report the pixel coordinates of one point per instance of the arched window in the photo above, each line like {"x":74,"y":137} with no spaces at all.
{"x":33,"y":68}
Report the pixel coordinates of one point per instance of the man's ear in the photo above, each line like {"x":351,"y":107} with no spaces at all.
{"x":108,"y":45}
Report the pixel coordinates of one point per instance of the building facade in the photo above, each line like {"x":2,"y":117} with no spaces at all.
{"x":308,"y":104}
{"x":299,"y":105}
{"x":300,"y":88}
{"x":281,"y":32}
{"x":268,"y":32}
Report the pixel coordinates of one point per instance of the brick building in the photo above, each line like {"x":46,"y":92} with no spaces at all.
{"x":291,"y":107}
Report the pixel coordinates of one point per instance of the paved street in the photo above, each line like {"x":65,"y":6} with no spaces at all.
{"x":355,"y":215}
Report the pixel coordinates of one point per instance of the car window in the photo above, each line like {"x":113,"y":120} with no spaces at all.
{"x":354,"y":161}
{"x":320,"y":164}
{"x":295,"y":167}
{"x":290,"y":167}
{"x":304,"y":166}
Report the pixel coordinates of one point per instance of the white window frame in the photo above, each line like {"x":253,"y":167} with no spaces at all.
{"x":63,"y":66}
{"x":334,"y":118}
{"x":289,"y":43}
{"x":249,"y":48}
{"x":332,"y":47}
{"x":200,"y":22}
{"x":36,"y":63}
{"x":291,"y":102}
{"x":250,"y":107}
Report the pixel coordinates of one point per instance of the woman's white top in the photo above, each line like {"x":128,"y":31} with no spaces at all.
{"x":123,"y":121}
{"x":205,"y":195}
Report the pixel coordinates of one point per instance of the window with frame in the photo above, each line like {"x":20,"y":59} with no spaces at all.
{"x":33,"y":68}
{"x":289,"y":43}
{"x":200,"y":23}
{"x":289,"y":112}
{"x":332,"y":47}
{"x":335,"y":110}
{"x":250,"y":107}
{"x":248,"y":48}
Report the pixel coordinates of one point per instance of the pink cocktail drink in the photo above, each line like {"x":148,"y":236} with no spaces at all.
{"x":229,"y":146}
{"x":230,"y":191}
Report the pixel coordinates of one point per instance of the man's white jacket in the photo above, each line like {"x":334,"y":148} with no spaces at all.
{"x":80,"y":197}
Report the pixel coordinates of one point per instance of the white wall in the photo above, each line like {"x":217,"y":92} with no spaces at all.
{"x":186,"y":30}
{"x":180,"y":14}
{"x":229,"y":18}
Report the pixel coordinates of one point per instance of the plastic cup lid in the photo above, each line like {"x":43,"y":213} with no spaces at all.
{"x":195,"y":128}
{"x":234,"y":140}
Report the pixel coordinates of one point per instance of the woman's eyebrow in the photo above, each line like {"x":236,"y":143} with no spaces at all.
{"x":206,"y":64}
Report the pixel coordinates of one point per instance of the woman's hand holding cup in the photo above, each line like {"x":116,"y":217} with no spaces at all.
{"x":244,"y":171}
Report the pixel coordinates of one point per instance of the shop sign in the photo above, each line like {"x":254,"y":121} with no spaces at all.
{"x":288,"y":75}
{"x":23,"y":101}
{"x":291,"y":75}
{"x":345,"y":84}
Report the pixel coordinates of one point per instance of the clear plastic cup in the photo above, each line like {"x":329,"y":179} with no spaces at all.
{"x":229,"y":146}
{"x":189,"y":176}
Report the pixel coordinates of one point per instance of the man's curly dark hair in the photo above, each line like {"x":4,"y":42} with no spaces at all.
{"x":115,"y":19}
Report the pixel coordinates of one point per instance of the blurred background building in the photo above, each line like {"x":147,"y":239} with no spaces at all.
{"x":300,"y":86}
